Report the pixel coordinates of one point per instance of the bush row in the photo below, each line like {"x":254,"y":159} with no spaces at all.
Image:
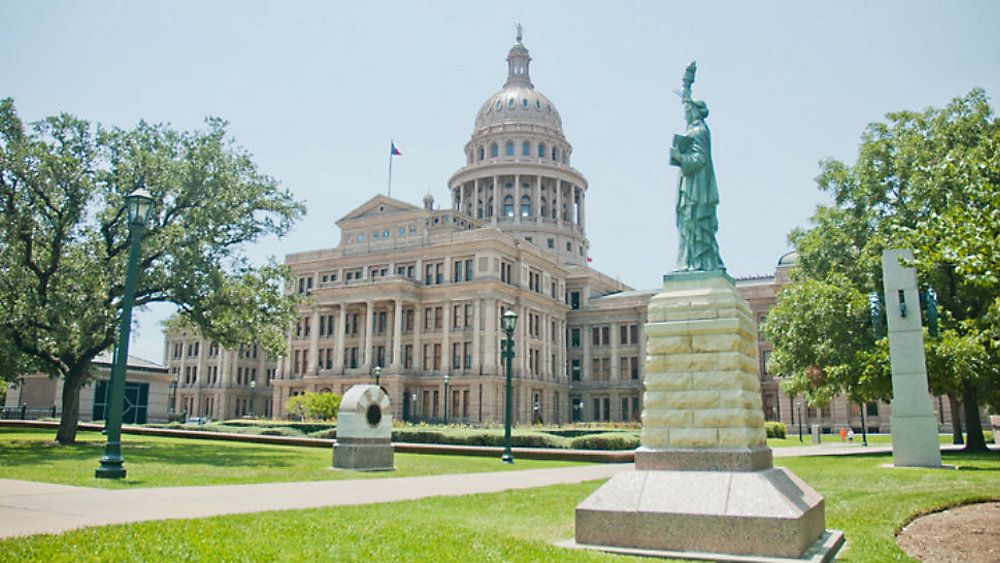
{"x":774,"y":429}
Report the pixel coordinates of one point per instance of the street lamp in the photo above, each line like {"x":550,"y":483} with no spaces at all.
{"x":798,"y":406}
{"x":253,"y":396}
{"x":413,"y":404}
{"x":138,"y":205}
{"x":447,"y":378}
{"x":507,"y":322}
{"x":378,"y":375}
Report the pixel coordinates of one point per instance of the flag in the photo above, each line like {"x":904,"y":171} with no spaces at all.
{"x":393,"y":151}
{"x":589,"y":259}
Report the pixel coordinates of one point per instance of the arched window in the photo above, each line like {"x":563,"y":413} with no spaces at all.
{"x":508,"y":206}
{"x":524,"y":103}
{"x":525,"y":206}
{"x":509,"y":149}
{"x":541,"y":150}
{"x":494,"y":150}
{"x":555,"y":154}
{"x":526,"y":149}
{"x":482,"y":153}
{"x":545,"y":207}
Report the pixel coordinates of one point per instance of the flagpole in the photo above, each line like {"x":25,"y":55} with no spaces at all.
{"x":390,"y":166}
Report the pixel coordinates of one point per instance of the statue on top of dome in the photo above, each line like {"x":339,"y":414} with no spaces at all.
{"x":520,"y":32}
{"x":697,"y":191}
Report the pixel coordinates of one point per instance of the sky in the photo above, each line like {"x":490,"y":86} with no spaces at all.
{"x":316,"y":90}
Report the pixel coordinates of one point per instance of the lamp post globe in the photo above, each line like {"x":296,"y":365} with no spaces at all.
{"x":378,"y":375}
{"x":508,"y":321}
{"x":447,"y":378}
{"x":138,"y":206}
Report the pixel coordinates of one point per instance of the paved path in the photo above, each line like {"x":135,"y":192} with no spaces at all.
{"x":29,"y":508}
{"x":33,"y":508}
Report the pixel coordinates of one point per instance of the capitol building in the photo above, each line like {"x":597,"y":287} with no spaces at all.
{"x":414,"y":294}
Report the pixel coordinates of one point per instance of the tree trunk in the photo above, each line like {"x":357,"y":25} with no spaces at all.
{"x":70,"y":418}
{"x":956,"y":419}
{"x":975,"y":441}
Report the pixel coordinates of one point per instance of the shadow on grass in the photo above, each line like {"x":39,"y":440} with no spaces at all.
{"x":30,"y":452}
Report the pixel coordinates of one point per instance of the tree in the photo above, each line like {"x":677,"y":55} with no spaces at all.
{"x":64,"y":242}
{"x":929,"y":181}
{"x":320,"y":406}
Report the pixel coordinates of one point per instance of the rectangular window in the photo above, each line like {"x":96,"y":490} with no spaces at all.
{"x":468,"y":269}
{"x":456,"y":275}
{"x":575,"y":370}
{"x":595,"y":336}
{"x":574,"y":300}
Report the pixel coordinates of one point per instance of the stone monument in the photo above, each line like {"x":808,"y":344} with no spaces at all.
{"x":704,"y":486}
{"x":914,"y":426}
{"x":364,"y":430}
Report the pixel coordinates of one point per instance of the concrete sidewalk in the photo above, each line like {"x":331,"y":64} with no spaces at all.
{"x":35,"y":508}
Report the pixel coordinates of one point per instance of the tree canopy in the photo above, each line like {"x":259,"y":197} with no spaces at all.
{"x":929,"y":181}
{"x":64,"y":241}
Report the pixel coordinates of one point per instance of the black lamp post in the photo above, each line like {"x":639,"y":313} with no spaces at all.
{"x":253,"y":396}
{"x":798,"y":406}
{"x":447,"y":378}
{"x":378,"y":375}
{"x":507,"y":322}
{"x":413,"y":404}
{"x":138,"y":205}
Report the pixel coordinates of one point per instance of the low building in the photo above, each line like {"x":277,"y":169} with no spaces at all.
{"x":147,"y":393}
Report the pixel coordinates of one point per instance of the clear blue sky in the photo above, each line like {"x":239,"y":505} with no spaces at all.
{"x":315,"y":90}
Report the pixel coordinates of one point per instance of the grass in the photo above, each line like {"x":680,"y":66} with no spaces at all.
{"x":153,"y":461}
{"x":870,"y":503}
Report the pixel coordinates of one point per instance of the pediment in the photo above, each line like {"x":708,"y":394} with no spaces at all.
{"x":378,"y":206}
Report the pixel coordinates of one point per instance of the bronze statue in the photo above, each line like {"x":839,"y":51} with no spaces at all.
{"x":697,"y":191}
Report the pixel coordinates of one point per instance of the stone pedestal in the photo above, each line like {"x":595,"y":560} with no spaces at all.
{"x":364,"y":430}
{"x":704,"y":484}
{"x":913,"y":423}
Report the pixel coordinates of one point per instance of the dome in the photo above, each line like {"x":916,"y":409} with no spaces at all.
{"x":518,"y":101}
{"x":788,"y":259}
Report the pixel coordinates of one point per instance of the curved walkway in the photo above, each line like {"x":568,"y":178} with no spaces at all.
{"x":27,"y":507}
{"x":34,"y":508}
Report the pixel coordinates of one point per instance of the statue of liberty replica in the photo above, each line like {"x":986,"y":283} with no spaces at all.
{"x":697,"y":192}
{"x":704,"y":484}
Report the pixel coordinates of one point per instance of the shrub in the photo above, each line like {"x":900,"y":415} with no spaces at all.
{"x":605,"y":441}
{"x":276,"y":431}
{"x":774,"y":429}
{"x":988,"y":434}
{"x":329,"y":434}
{"x":317,"y":406}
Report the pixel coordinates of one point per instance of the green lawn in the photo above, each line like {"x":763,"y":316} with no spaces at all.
{"x":164,"y":462}
{"x":870,"y":503}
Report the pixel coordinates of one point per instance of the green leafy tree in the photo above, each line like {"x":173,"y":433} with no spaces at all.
{"x":317,"y":406}
{"x":64,"y":241}
{"x":923,"y":180}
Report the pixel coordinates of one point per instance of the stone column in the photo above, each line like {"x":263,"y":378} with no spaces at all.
{"x":369,"y":312}
{"x":497,"y":203}
{"x":477,"y":334}
{"x":558,"y":202}
{"x":339,"y":339}
{"x":615,"y":371}
{"x":418,"y":327}
{"x":914,"y":426}
{"x":491,"y":353}
{"x":397,"y":336}
{"x":545,"y":361}
{"x":517,"y":198}
{"x":537,"y":198}
{"x":313,"y":361}
{"x":446,"y":339}
{"x":583,"y":214}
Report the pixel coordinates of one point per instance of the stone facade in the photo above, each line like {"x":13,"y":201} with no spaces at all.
{"x":215,"y":382}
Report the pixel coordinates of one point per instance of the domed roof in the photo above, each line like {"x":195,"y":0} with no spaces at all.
{"x":788,"y":259}
{"x":518,"y":101}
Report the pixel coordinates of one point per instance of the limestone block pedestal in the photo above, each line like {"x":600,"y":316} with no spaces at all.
{"x":704,"y":485}
{"x":364,"y":431}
